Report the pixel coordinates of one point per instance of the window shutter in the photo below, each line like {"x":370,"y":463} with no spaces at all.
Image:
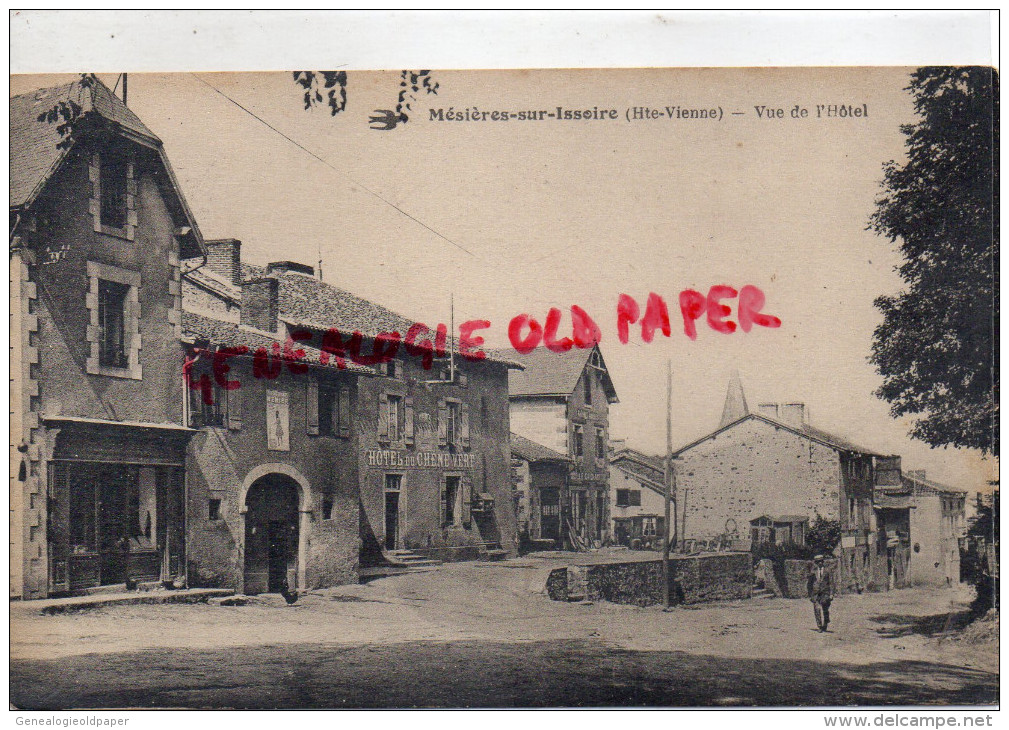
{"x":234,"y":405}
{"x":464,"y":417}
{"x":462,"y":378}
{"x":467,"y":501}
{"x":444,"y":504}
{"x":408,"y":421}
{"x":312,"y":407}
{"x":442,"y":422}
{"x":383,"y":416}
{"x":344,"y":412}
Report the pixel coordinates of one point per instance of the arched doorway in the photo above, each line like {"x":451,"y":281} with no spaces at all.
{"x":272,"y":534}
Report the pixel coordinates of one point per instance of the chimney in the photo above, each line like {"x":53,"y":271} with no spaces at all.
{"x":887,"y":472}
{"x":282,"y":267}
{"x":770,"y":410}
{"x":260,"y":304}
{"x":224,"y":257}
{"x":794,"y":414}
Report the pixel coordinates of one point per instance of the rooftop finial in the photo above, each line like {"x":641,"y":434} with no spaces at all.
{"x":735,"y":401}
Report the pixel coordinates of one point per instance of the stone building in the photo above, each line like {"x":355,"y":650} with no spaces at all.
{"x":562,"y":401}
{"x":775,"y":463}
{"x":273,"y":477}
{"x":938,"y":526}
{"x":414,"y":459}
{"x":637,"y":499}
{"x":540,"y":476}
{"x":99,"y":227}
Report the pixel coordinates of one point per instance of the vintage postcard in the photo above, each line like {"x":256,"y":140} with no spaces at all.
{"x":655,"y":387}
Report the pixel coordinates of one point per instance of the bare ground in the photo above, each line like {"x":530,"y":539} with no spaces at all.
{"x":479,"y":635}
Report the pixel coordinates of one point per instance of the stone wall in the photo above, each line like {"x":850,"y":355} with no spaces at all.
{"x":756,"y":468}
{"x":694,"y":579}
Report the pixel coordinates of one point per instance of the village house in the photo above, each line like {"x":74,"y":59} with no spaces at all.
{"x":562,"y":401}
{"x":540,"y":478}
{"x":273,"y":470}
{"x":98,"y":230}
{"x":768,"y":475}
{"x":416,"y":460}
{"x":938,"y":528}
{"x":637,"y":499}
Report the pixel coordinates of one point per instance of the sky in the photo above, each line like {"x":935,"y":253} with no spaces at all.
{"x":518,"y":217}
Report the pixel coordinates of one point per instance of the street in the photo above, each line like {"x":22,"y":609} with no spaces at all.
{"x":478,"y":635}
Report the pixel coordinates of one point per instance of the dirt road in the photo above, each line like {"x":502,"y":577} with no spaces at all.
{"x":478,"y":635}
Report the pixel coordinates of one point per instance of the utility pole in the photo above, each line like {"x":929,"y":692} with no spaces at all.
{"x":668,"y":484}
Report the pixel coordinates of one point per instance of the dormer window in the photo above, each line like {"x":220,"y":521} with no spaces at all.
{"x":113,"y":202}
{"x":114,"y":169}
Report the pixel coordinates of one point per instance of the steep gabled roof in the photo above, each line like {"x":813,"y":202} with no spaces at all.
{"x":632,"y":460}
{"x":548,"y":373}
{"x":305,"y":301}
{"x":200,"y":328}
{"x":35,"y":155}
{"x":838,"y":443}
{"x":531,"y":451}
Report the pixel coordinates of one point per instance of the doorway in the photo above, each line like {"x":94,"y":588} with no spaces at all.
{"x":271,"y":535}
{"x":393,"y":487}
{"x":550,"y":514}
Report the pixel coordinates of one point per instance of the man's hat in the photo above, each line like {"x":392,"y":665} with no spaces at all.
{"x":818,"y":559}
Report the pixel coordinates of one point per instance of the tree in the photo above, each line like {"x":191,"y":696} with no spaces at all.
{"x":331,"y":87}
{"x":936,"y":347}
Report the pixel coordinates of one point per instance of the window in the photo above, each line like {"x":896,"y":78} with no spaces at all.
{"x":395,"y":417}
{"x":327,"y":508}
{"x":214,"y":510}
{"x":851,"y":512}
{"x":628,"y":498}
{"x":203,"y":387}
{"x":112,"y":324}
{"x":587,"y":387}
{"x":453,"y":432}
{"x":114,"y":171}
{"x":600,"y":443}
{"x":329,"y":411}
{"x":577,"y":443}
{"x":648,"y":527}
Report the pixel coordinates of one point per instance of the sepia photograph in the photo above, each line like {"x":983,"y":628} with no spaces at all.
{"x":616,"y":387}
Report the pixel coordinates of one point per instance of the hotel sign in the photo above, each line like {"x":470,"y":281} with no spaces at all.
{"x":418,"y":459}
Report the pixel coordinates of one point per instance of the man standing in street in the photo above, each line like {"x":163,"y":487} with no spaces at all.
{"x":821,"y":592}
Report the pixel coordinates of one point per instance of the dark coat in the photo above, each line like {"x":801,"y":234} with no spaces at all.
{"x":821,"y":590}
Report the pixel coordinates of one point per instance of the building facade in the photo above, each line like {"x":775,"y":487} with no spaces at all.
{"x":420,"y":460}
{"x":938,"y":528}
{"x":775,"y":464}
{"x":99,"y":227}
{"x":540,"y":478}
{"x":562,"y":402}
{"x":637,"y":499}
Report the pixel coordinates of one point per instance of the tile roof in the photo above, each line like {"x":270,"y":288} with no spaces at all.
{"x":34,"y":154}
{"x":306,"y":301}
{"x":228,"y":334}
{"x":531,"y":451}
{"x":926,"y":486}
{"x":639,"y":464}
{"x":548,"y":373}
